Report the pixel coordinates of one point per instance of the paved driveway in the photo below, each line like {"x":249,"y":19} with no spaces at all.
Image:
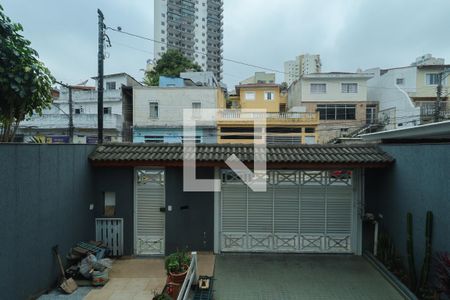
{"x":309,"y":277}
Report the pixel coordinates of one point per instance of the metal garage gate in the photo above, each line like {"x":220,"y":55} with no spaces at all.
{"x":302,"y":211}
{"x":149,"y":220}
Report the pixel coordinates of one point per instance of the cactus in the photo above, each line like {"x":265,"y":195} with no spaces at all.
{"x":427,"y":258}
{"x":410,"y":251}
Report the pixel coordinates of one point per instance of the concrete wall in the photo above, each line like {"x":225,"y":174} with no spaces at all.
{"x":419,"y":181}
{"x":121,"y":182}
{"x":171,"y":102}
{"x":46,"y":191}
{"x":333,"y":89}
{"x":190,"y":225}
{"x":259,"y":101}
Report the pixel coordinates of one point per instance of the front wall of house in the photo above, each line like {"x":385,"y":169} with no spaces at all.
{"x":171,"y":135}
{"x":333,"y":90}
{"x":171,"y":102}
{"x":259,"y":102}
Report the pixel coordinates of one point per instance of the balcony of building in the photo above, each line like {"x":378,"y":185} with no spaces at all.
{"x":230,"y":116}
{"x":430,"y":111}
{"x":81,"y":121}
{"x":89,"y":96}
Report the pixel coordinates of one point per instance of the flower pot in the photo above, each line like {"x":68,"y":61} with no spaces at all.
{"x":178,"y":278}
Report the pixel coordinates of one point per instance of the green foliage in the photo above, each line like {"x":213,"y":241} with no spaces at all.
{"x":410,"y":252}
{"x":25,"y":83}
{"x":171,"y":64}
{"x":177,"y":262}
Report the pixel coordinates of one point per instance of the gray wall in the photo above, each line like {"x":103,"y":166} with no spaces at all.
{"x":119,"y":181}
{"x":45,"y":192}
{"x":190,"y":225}
{"x":419,"y":181}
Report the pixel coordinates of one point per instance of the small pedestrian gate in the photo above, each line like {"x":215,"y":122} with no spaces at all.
{"x":149,"y":212}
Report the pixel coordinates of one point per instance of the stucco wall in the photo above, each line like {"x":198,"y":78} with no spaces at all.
{"x":171,"y":102}
{"x":383,"y":88}
{"x":121,"y":182}
{"x":259,"y":102}
{"x":46,"y":191}
{"x":333,"y":89}
{"x":419,"y":181}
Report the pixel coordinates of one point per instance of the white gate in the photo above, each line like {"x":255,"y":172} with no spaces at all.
{"x":149,"y":213}
{"x":110,"y":232}
{"x":302,"y":211}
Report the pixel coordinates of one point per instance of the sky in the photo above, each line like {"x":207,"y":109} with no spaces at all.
{"x":348,"y":34}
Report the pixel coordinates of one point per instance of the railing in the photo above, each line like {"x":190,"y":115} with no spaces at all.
{"x":190,"y":277}
{"x":57,"y":121}
{"x":236,"y":115}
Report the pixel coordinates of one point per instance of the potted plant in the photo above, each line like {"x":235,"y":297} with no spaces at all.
{"x":177,"y":265}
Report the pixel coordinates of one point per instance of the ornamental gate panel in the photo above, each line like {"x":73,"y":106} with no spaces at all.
{"x":302,"y":211}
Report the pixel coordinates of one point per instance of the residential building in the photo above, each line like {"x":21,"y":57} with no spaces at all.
{"x":194,"y":28}
{"x":428,"y":59}
{"x":302,"y":65}
{"x":53,"y":125}
{"x":340,"y":99}
{"x":260,"y":77}
{"x":158,"y":112}
{"x":237,"y":125}
{"x":407,"y":95}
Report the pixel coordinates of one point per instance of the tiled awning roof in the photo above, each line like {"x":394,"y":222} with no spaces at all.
{"x":215,"y":154}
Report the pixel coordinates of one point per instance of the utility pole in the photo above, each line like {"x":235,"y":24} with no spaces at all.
{"x":71,"y":127}
{"x":101,"y":59}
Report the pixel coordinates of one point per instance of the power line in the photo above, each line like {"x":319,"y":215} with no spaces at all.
{"x":198,"y":52}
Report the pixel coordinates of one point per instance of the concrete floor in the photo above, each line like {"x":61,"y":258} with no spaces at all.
{"x":141,"y":278}
{"x":309,"y":277}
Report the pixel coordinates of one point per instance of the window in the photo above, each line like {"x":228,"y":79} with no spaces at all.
{"x":309,"y":140}
{"x":154,"y":111}
{"x":337,"y":111}
{"x":107,"y":110}
{"x":110,"y":204}
{"x":400,"y":81}
{"x":318,"y":88}
{"x":154,"y":139}
{"x":250,"y":96}
{"x":111,"y":85}
{"x":349,"y":88}
{"x":269,"y":95}
{"x":432,"y":79}
{"x":283,"y":108}
{"x":310,"y":130}
{"x":78,"y":111}
{"x":196,"y":109}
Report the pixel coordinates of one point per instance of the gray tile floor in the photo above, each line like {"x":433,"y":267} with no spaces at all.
{"x":309,"y":277}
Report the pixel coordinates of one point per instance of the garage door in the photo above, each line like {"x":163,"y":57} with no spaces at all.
{"x":149,"y":219}
{"x":302,"y":211}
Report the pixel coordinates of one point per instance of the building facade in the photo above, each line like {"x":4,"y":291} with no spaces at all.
{"x":407,"y":95}
{"x":193,"y":27}
{"x":158,"y":113}
{"x":260,"y":77}
{"x":339,"y":98}
{"x":302,"y":65}
{"x":53,"y":125}
{"x":236,"y":126}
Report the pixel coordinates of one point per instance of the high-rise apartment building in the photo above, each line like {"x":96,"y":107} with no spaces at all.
{"x":194,"y":27}
{"x":302,"y":65}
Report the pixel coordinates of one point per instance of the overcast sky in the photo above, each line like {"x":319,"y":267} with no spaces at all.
{"x":348,"y":34}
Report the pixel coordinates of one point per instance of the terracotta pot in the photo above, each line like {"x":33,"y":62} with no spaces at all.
{"x":178,"y":278}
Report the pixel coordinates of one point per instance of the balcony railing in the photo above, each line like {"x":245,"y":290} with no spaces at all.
{"x":282,"y":117}
{"x":85,"y":121}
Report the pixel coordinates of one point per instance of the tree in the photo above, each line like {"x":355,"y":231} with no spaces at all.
{"x":171,"y":64}
{"x":25,"y":83}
